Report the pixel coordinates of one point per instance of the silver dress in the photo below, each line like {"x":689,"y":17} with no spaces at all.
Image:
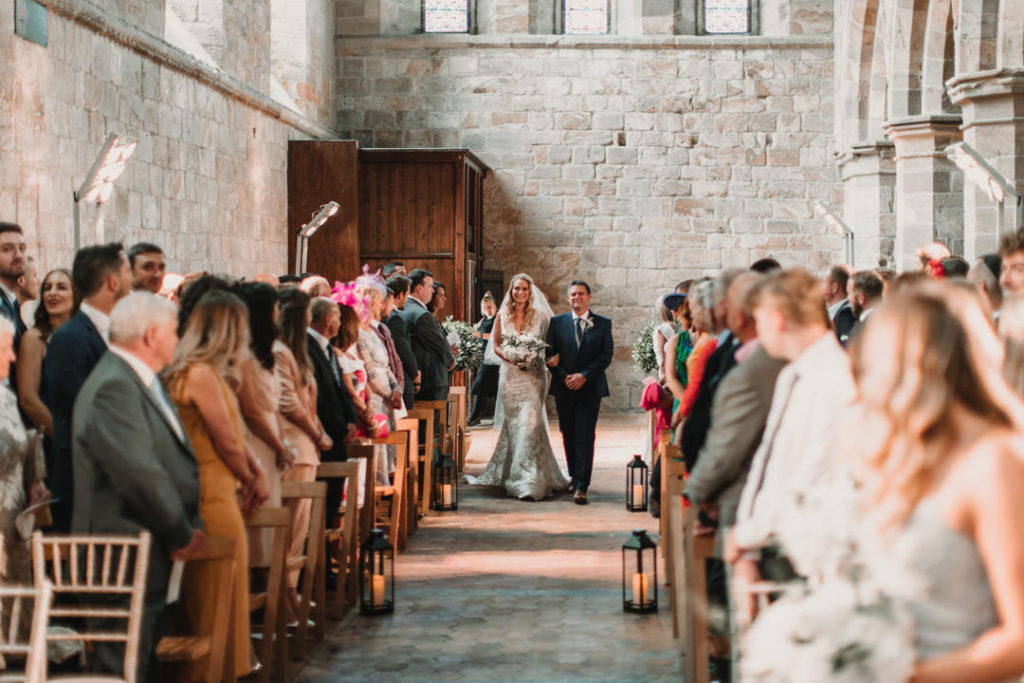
{"x":523,"y":462}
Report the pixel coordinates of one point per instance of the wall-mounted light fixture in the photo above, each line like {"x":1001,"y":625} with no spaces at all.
{"x":839,"y":226}
{"x":994,"y":183}
{"x":307,"y":231}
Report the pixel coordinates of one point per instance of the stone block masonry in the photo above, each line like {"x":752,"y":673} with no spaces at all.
{"x":633,"y":163}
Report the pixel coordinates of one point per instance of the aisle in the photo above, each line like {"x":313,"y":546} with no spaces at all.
{"x":505,"y":590}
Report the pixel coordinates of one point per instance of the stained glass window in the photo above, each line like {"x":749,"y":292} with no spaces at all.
{"x":586,"y":16}
{"x":727,"y":16}
{"x":445,"y":16}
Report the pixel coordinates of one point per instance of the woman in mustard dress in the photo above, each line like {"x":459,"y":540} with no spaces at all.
{"x":206,"y":366}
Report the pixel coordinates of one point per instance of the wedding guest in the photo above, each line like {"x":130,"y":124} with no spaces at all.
{"x":202,"y":379}
{"x":377,"y":323}
{"x":663,"y":332}
{"x":333,"y":405}
{"x":835,"y":288}
{"x":194,"y":288}
{"x":939,"y":434}
{"x":12,"y":267}
{"x":438,"y":301}
{"x":810,"y":396}
{"x":393,"y":268}
{"x":301,"y":426}
{"x":60,"y":302}
{"x":765,"y":266}
{"x":101,"y":275}
{"x":485,"y":383}
{"x":954,"y":267}
{"x":1011,"y":275}
{"x":258,"y":397}
{"x":287,"y":279}
{"x":316,"y":285}
{"x":21,"y":473}
{"x":27,"y":291}
{"x":398,"y":285}
{"x":267,"y":279}
{"x":932,"y":254}
{"x":984,"y":275}
{"x":148,"y":267}
{"x":434,"y":356}
{"x":135,"y":469}
{"x":865,"y":291}
{"x":705,"y":333}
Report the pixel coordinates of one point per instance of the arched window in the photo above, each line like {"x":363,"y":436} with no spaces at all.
{"x":585,"y":17}
{"x":726,"y":16}
{"x":445,"y":16}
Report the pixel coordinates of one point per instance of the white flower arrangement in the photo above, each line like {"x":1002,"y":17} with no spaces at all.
{"x":523,"y":350}
{"x":643,"y":350}
{"x":471,"y":349}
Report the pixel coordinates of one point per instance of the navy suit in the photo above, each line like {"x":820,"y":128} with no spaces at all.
{"x":578,"y":410}
{"x":73,"y":351}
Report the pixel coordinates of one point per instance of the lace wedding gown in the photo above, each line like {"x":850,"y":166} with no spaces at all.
{"x":523,"y":462}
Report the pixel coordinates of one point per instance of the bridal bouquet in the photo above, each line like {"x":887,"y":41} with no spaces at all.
{"x":471,"y":348}
{"x":524,"y":350}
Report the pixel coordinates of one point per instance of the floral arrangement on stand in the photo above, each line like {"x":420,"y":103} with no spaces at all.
{"x":838,"y":625}
{"x":643,"y":350}
{"x":471,"y":348}
{"x":524,"y":350}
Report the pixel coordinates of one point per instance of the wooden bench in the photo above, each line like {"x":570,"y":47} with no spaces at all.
{"x":273,"y":648}
{"x":345,"y":540}
{"x":308,"y":562}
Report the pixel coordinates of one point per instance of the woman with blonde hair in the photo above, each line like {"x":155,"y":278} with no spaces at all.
{"x":202,"y":380}
{"x":940,"y":433}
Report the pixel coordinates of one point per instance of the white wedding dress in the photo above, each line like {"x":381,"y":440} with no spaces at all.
{"x":523,"y":462}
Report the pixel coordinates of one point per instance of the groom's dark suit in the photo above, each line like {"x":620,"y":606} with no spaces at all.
{"x":578,"y":410}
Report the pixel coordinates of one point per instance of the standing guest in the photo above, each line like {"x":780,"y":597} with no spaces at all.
{"x":60,"y":302}
{"x":12,"y":267}
{"x":258,"y":397}
{"x":840,"y":311}
{"x":333,"y":405}
{"x":984,"y":274}
{"x":207,"y":365}
{"x":101,"y":275}
{"x":135,"y":469}
{"x":865,"y":290}
{"x":663,"y":332}
{"x":301,"y":426}
{"x":21,"y":473}
{"x":267,"y":279}
{"x":316,"y":285}
{"x":148,"y":267}
{"x":810,"y":396}
{"x":765,"y":266}
{"x":438,"y":301}
{"x":1011,"y":275}
{"x":393,"y":268}
{"x":939,"y":435}
{"x":287,"y":279}
{"x":194,"y":288}
{"x":434,"y":356}
{"x":485,"y":383}
{"x":398,"y":285}
{"x":382,"y":330}
{"x":954,"y":267}
{"x":705,"y":340}
{"x":27,"y":291}
{"x":930,"y":255}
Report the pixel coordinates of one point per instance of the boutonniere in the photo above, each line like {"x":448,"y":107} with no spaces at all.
{"x":587,"y":324}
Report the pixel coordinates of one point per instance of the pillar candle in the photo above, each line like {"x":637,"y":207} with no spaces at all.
{"x":640,"y":586}
{"x":446,"y":494}
{"x":377,"y":590}
{"x":638,"y":496}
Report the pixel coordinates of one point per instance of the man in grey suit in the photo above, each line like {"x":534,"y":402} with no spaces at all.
{"x":134,"y":469}
{"x":398,"y":285}
{"x":434,"y":356}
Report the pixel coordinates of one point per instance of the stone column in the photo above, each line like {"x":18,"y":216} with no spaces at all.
{"x":869,"y":182}
{"x":928,"y":185}
{"x":993,"y":114}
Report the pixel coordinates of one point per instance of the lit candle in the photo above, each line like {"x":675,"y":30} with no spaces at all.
{"x":640,"y":585}
{"x":377,"y":591}
{"x":446,"y":495}
{"x":638,"y":496}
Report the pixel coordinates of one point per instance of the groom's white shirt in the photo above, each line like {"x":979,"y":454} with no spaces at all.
{"x":585,"y":316}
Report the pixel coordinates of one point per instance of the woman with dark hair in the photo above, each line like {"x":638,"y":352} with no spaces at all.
{"x":297,"y":404}
{"x":437,"y":302}
{"x":258,"y":397}
{"x":59,"y":301}
{"x":194,"y":286}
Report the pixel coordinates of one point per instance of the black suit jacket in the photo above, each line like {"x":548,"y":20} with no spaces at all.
{"x":132,"y":471}
{"x":429,"y":345}
{"x":695,"y":428}
{"x":591,"y":359}
{"x":403,"y":345}
{"x":73,"y":351}
{"x":844,"y":321}
{"x":333,"y":404}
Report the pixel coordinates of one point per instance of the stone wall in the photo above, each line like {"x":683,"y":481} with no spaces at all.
{"x":208,"y":180}
{"x":631,"y":162}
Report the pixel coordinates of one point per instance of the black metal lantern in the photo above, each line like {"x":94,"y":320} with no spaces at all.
{"x":636,"y":485}
{"x":640,"y":574}
{"x":377,"y":575}
{"x":446,"y":484}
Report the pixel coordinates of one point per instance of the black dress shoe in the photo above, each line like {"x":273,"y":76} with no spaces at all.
{"x":580,"y":497}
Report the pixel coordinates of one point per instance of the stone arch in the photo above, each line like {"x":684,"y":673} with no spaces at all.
{"x":939,"y":61}
{"x":977,"y":28}
{"x":906,"y":43}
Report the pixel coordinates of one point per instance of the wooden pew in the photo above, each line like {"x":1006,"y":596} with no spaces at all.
{"x":428,"y":412}
{"x":410,"y":501}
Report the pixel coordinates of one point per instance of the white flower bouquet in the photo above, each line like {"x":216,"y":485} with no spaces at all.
{"x":471,"y":348}
{"x":524,"y":350}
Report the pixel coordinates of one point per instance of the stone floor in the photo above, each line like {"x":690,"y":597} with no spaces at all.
{"x":507,"y":590}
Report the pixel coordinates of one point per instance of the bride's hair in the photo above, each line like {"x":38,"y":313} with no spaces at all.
{"x":511,"y":306}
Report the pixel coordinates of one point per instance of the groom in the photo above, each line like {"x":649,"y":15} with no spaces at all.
{"x":579,"y":351}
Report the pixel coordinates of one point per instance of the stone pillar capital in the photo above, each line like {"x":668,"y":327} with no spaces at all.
{"x":923,"y":136}
{"x":869,"y":157}
{"x":979,"y":85}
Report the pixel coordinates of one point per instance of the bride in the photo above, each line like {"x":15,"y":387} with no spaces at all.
{"x":523,"y":462}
